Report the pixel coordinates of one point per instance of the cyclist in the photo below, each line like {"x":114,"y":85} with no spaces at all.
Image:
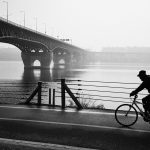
{"x":145,"y":84}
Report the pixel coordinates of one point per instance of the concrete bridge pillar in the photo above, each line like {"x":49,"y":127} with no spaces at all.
{"x":46,"y":60}
{"x":78,"y":59}
{"x":26,"y":58}
{"x":29,"y":59}
{"x":66,"y":58}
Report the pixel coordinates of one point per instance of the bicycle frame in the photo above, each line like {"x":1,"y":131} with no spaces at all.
{"x":136,"y":104}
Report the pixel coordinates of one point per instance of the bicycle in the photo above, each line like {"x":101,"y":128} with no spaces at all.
{"x":127,"y":114}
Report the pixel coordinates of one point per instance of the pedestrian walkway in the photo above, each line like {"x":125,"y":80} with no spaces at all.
{"x":70,"y":128}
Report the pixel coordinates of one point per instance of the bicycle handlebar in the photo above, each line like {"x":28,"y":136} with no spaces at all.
{"x":135,"y":97}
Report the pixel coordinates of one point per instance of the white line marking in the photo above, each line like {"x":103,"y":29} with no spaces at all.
{"x":40,"y":145}
{"x":76,"y":124}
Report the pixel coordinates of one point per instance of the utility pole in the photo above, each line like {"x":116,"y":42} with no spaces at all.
{"x":23,"y":17}
{"x":45,"y":27}
{"x":36,"y":23}
{"x":7,"y":8}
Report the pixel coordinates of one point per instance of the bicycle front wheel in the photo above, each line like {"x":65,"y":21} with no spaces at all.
{"x":126,"y":115}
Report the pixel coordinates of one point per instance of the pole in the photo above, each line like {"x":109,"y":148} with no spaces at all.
{"x":7,"y":9}
{"x":49,"y":96}
{"x":45,"y":28}
{"x":73,"y":97}
{"x":63,"y":93}
{"x":23,"y":18}
{"x":53,"y":97}
{"x":36,"y":23}
{"x":39,"y":92}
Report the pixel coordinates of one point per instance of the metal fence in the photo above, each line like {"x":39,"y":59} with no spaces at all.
{"x":90,"y":94}
{"x":97,"y":94}
{"x":18,"y":92}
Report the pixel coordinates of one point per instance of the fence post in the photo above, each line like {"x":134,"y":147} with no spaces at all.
{"x":33,"y":94}
{"x":49,"y":96}
{"x":63,"y":93}
{"x":39,"y":92}
{"x":54,"y":97}
{"x":73,"y":97}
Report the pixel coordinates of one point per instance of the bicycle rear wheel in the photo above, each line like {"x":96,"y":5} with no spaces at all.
{"x":126,"y":115}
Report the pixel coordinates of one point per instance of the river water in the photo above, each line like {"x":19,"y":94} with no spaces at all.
{"x":14,"y":71}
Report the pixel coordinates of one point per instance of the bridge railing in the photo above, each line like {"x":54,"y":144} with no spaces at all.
{"x":22,"y":26}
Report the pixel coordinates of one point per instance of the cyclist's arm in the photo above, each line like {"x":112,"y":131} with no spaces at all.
{"x":137,"y":90}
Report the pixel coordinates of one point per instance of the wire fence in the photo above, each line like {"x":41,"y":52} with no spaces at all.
{"x":99,"y":94}
{"x":17,"y":92}
{"x":90,"y":94}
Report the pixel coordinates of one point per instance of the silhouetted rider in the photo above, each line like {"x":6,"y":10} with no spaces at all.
{"x":144,"y":85}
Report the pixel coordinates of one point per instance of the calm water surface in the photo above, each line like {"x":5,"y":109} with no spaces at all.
{"x":98,"y":72}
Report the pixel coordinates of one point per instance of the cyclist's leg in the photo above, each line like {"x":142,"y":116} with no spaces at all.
{"x":146,"y":102}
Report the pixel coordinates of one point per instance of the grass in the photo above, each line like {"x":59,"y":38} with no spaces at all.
{"x":86,"y":102}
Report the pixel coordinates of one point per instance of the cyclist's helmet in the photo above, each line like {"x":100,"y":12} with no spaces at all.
{"x":141,"y":73}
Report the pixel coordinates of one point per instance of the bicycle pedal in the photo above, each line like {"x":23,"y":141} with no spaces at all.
{"x":141,"y":114}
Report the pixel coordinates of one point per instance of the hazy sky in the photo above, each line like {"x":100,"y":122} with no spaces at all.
{"x":91,"y":24}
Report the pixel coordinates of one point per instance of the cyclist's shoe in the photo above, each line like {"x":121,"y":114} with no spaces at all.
{"x":141,"y":114}
{"x":146,"y":117}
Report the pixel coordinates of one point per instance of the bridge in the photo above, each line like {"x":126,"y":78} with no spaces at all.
{"x":35,"y":45}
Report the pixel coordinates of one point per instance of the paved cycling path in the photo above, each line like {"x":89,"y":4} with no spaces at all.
{"x":87,"y":129}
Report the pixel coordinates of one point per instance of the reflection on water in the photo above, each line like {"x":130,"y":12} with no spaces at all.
{"x":32,"y":75}
{"x":97,"y":72}
{"x":48,"y":75}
